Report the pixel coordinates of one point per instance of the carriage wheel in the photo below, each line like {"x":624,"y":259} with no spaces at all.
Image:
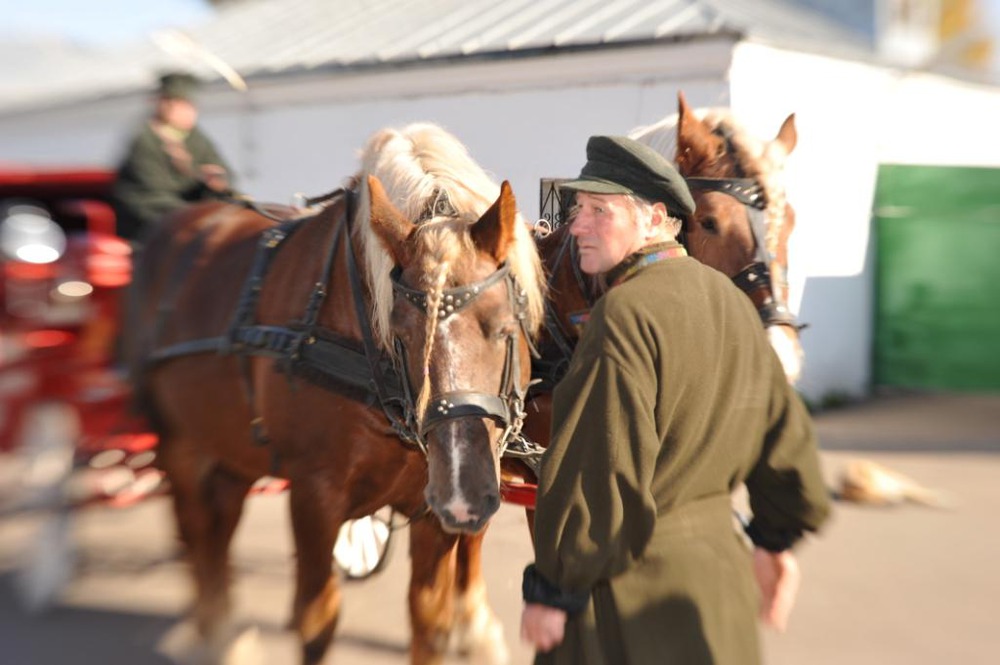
{"x":47,"y":444}
{"x":362,"y":546}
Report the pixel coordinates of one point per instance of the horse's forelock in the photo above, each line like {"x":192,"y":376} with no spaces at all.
{"x":415,"y":165}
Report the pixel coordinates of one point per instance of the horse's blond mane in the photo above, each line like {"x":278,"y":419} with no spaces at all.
{"x":762,"y":160}
{"x":417,"y":164}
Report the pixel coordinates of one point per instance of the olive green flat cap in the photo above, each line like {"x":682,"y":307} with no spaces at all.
{"x":620,"y":165}
{"x":178,"y":85}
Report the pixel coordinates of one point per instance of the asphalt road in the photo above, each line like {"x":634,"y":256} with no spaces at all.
{"x":906,"y":585}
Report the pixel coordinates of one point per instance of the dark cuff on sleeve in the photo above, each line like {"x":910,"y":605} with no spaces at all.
{"x":537,"y":589}
{"x":772,"y":540}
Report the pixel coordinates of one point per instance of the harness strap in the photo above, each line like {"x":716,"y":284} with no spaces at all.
{"x":250,"y":203}
{"x":204,"y":345}
{"x":745,"y":190}
{"x":460,"y":405}
{"x":267,"y":246}
{"x":245,"y":314}
{"x":337,"y":362}
{"x":310,"y":201}
{"x":319,"y":289}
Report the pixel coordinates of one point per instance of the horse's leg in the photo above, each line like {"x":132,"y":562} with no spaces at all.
{"x":432,"y":584}
{"x":479,"y":632}
{"x":317,"y":592}
{"x":208,"y":502}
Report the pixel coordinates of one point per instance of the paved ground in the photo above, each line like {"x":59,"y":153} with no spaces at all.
{"x":907,"y":585}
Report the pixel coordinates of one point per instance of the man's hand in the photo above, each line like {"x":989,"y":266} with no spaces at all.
{"x":778,"y":577}
{"x":542,"y":626}
{"x":215,"y":178}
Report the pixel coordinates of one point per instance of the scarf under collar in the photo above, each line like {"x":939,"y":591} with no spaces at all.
{"x":646,"y":256}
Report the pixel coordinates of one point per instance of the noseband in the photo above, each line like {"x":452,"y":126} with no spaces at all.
{"x":756,"y":277}
{"x":506,"y":407}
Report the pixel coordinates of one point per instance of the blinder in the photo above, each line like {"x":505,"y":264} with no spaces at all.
{"x":745,"y":190}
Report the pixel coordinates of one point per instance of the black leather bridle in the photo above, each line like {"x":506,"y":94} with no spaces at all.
{"x":755,"y":277}
{"x":507,"y":406}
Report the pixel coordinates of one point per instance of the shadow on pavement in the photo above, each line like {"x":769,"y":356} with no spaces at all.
{"x":921,"y":422}
{"x":78,"y":636}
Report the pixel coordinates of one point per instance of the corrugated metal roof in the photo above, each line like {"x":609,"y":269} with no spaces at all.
{"x":267,"y":37}
{"x":272,"y":36}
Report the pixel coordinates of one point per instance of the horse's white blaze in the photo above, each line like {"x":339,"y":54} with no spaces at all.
{"x":458,"y":505}
{"x":789,"y":351}
{"x":444,"y":330}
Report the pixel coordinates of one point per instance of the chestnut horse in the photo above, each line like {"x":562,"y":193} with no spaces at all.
{"x":375,"y":353}
{"x":742,"y":221}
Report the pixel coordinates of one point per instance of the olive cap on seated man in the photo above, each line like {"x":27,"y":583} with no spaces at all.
{"x":178,"y":85}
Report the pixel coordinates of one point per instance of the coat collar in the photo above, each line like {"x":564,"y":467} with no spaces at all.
{"x":648,"y":255}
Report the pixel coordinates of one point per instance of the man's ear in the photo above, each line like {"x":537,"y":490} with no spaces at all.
{"x":659,"y":221}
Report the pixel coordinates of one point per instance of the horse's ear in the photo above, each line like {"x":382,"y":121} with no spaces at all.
{"x":388,"y":223}
{"x":695,"y":142}
{"x":682,"y":104}
{"x":788,"y":136}
{"x":494,"y":232}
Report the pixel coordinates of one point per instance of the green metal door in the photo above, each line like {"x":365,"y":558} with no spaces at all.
{"x":937,"y":323}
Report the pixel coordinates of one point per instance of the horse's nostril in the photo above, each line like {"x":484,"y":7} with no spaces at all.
{"x":491,"y":503}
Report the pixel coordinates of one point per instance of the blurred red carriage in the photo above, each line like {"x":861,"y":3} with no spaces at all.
{"x":68,"y":437}
{"x":62,"y":275}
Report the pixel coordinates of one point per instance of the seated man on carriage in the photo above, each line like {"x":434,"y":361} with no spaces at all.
{"x":169,"y":163}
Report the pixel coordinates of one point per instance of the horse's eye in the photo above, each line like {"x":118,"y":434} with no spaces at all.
{"x":397,"y":320}
{"x":501,"y":333}
{"x":710,"y":224}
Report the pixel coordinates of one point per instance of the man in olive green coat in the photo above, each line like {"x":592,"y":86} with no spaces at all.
{"x":170,"y":163}
{"x":673,"y":398}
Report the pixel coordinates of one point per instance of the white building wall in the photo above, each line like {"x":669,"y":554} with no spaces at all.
{"x":529,"y":119}
{"x":931,"y":119}
{"x":831,"y":182}
{"x":851,"y":117}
